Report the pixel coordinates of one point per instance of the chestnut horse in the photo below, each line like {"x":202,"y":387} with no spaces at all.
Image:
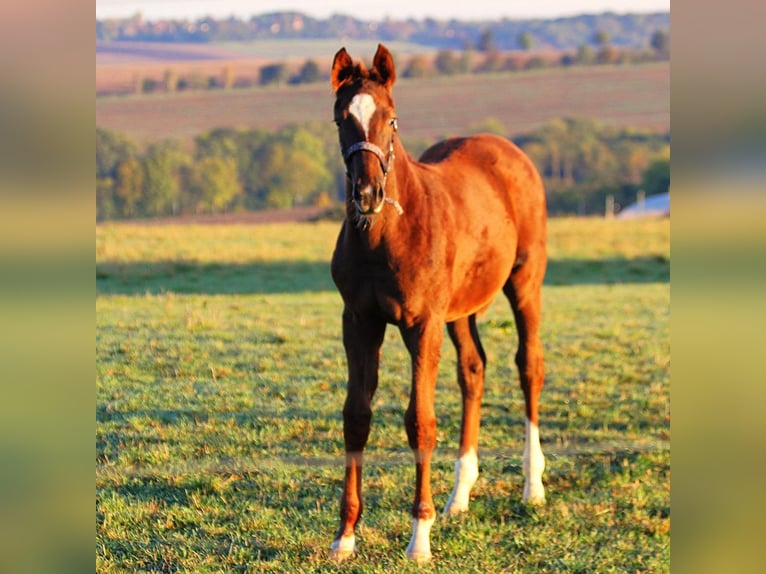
{"x":426,"y":243}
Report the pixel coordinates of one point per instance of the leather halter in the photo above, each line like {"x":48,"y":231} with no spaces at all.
{"x":386,"y":163}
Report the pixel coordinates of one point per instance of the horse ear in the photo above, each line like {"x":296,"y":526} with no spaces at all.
{"x":342,"y":67}
{"x":383,"y":62}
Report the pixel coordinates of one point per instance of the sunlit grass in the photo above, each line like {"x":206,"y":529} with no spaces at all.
{"x":219,"y":396}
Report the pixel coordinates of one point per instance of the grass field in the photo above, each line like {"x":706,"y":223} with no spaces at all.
{"x":615,"y":95}
{"x":220,"y":379}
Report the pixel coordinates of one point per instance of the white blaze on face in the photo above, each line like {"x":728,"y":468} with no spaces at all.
{"x":362,"y":107}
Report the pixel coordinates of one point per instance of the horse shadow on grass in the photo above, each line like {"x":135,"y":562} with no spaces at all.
{"x":290,"y":276}
{"x":189,"y":277}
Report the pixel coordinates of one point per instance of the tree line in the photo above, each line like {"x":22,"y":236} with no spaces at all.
{"x":486,"y":58}
{"x":228,"y":170}
{"x":626,"y":30}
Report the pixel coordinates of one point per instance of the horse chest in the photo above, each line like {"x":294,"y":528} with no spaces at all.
{"x":388,"y":288}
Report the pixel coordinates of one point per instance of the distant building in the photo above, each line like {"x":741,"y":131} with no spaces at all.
{"x":653,"y":206}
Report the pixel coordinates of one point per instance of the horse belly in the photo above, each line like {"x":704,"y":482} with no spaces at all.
{"x":477,"y":289}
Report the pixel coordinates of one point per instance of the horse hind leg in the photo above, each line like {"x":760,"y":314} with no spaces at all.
{"x":471,"y":362}
{"x":523,"y":289}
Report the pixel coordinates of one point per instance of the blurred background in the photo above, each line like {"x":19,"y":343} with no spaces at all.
{"x":207,"y":109}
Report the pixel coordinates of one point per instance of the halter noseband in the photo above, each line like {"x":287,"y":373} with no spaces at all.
{"x":386,"y":163}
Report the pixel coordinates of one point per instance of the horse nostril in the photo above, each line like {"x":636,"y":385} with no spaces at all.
{"x":364,"y":194}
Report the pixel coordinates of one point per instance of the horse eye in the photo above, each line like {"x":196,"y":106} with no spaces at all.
{"x":393,"y":123}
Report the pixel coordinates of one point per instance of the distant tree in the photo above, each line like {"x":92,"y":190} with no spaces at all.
{"x":105,"y":202}
{"x":294,"y":169}
{"x":493,"y":62}
{"x":417,"y":67}
{"x":149,"y":85}
{"x":164,"y":163}
{"x":112,"y":149}
{"x":219,"y":142}
{"x":228,"y":77}
{"x":170,"y":81}
{"x":273,"y":74}
{"x":194,"y":81}
{"x":128,"y":186}
{"x":656,"y":178}
{"x":608,"y":55}
{"x":488,"y":126}
{"x":215,"y":183}
{"x":582,"y":162}
{"x":535,"y":63}
{"x":568,"y":59}
{"x":466,"y":60}
{"x":660,"y":42}
{"x":633,"y":160}
{"x":486,"y":41}
{"x":585,"y":55}
{"x":308,"y":73}
{"x":526,"y":41}
{"x":602,"y":38}
{"x":447,"y":63}
{"x":513,"y":63}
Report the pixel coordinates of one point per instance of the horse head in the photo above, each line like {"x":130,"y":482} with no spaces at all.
{"x":366,"y":118}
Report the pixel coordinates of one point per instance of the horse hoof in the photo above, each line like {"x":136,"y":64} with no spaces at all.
{"x":454,"y":510}
{"x":534,"y":494}
{"x":419,"y":557}
{"x":341,"y":555}
{"x":534,"y":499}
{"x":343,"y":548}
{"x":419,"y":548}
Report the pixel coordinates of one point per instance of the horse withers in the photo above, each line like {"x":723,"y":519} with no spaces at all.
{"x":426,"y":243}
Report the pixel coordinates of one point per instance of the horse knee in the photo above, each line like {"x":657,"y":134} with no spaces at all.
{"x":474,"y":382}
{"x":531,"y":368}
{"x":356,"y":426}
{"x":421,"y":430}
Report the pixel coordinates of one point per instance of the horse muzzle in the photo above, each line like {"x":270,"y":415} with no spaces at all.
{"x":369,"y":200}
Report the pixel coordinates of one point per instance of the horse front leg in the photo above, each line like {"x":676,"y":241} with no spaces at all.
{"x":424,"y":344}
{"x":362,"y":339}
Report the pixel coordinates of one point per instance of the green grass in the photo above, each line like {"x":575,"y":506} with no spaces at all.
{"x":220,"y":378}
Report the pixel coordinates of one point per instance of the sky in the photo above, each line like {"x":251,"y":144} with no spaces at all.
{"x":370,"y":10}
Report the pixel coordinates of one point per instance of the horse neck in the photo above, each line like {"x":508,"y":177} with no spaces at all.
{"x":401,"y":179}
{"x":388,"y":224}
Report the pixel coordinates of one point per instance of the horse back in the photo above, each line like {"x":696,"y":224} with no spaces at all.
{"x":487,"y":174}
